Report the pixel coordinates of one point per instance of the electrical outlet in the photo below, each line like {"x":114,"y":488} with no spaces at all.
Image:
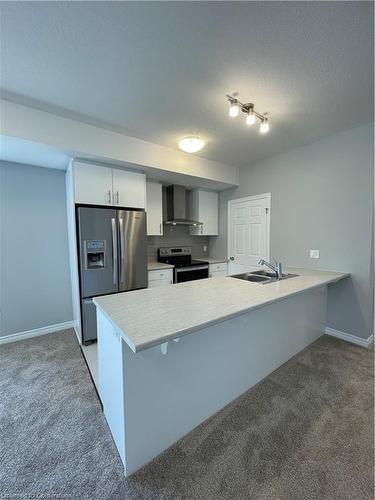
{"x":204,"y":248}
{"x":314,"y":254}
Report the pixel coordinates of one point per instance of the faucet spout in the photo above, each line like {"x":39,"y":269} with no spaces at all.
{"x":278,"y":269}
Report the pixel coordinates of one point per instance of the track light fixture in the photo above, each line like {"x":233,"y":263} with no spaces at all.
{"x":251,"y":114}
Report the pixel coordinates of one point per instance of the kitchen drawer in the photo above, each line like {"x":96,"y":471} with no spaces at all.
{"x":216,"y":274}
{"x":214,"y":268}
{"x":154,"y":284}
{"x":160,"y":274}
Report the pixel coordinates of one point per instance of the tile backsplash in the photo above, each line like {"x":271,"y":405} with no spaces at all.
{"x":177,"y":236}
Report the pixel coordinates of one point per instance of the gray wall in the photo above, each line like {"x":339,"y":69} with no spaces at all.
{"x":321,"y":198}
{"x":177,"y":236}
{"x":34,"y":263}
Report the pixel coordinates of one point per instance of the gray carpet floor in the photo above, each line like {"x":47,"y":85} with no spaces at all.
{"x":305,"y":432}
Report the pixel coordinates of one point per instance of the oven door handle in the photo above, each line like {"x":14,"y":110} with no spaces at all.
{"x":191,"y":268}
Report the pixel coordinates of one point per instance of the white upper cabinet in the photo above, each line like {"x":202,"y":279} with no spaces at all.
{"x":92,"y":184}
{"x":204,"y":207}
{"x":129,"y":188}
{"x":96,"y":185}
{"x":154,"y":208}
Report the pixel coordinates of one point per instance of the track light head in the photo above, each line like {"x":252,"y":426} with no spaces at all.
{"x":264,"y":126}
{"x":234,"y":107}
{"x":250,"y":117}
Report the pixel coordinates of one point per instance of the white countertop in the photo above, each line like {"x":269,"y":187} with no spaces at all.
{"x":152,"y":316}
{"x":154,"y":265}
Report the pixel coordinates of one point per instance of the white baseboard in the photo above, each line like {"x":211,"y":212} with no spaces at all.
{"x":350,"y":338}
{"x":77,"y":332}
{"x":36,"y":332}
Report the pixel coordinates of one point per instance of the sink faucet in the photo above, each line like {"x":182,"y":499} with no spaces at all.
{"x":277,"y":268}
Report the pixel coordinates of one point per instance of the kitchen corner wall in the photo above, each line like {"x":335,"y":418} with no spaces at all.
{"x":177,"y":236}
{"x":34,"y":263}
{"x":321,"y":198}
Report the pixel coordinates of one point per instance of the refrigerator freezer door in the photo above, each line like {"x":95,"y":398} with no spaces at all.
{"x":88,"y":320}
{"x":132,"y":250}
{"x":98,"y":251}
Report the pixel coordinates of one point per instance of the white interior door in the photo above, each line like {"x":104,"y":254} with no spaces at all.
{"x":248,"y":232}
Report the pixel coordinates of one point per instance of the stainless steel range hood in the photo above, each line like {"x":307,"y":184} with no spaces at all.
{"x":176,"y":207}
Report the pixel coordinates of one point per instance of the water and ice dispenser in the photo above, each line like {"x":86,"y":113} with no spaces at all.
{"x":95,"y":254}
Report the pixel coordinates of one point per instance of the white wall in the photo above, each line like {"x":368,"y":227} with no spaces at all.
{"x":34,"y":263}
{"x":78,"y":139}
{"x":322,"y":198}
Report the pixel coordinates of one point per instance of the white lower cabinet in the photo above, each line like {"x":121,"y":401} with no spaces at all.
{"x":160,"y":278}
{"x":154,"y":284}
{"x":216,"y":270}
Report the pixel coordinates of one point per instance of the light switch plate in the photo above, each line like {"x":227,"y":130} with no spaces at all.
{"x":314,"y":254}
{"x":204,"y":248}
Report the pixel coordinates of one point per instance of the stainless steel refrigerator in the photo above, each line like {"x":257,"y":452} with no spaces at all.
{"x":112,"y":257}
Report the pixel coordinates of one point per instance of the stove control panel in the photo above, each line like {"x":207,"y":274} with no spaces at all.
{"x":171,"y":251}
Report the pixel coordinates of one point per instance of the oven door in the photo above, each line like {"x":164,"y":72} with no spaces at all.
{"x":190,"y":273}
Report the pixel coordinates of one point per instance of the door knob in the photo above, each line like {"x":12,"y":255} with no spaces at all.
{"x":231,"y":258}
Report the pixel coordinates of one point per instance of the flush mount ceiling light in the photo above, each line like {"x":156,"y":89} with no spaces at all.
{"x":251,"y":114}
{"x":191,"y":144}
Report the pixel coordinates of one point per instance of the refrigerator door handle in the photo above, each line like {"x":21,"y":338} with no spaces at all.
{"x":122,"y":251}
{"x":114,"y":250}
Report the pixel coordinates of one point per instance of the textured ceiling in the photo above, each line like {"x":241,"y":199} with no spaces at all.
{"x":160,"y":70}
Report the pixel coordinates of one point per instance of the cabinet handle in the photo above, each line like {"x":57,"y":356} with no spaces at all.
{"x":109,"y":196}
{"x":117,"y":198}
{"x":160,"y":228}
{"x":202,"y":229}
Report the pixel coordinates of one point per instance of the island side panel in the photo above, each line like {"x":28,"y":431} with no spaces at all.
{"x":111,"y":379}
{"x":166,"y":396}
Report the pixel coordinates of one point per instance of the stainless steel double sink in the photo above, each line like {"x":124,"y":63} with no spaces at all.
{"x":263,"y":277}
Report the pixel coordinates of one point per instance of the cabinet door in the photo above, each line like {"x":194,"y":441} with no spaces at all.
{"x":154,"y":208}
{"x":217,"y":274}
{"x":157,"y":283}
{"x":129,"y":189}
{"x":161,"y":275}
{"x":208,"y":212}
{"x":205,"y":208}
{"x":218,"y":267}
{"x":92,"y":184}
{"x":194,"y":212}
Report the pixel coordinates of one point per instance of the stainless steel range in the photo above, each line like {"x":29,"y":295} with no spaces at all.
{"x":185,"y":268}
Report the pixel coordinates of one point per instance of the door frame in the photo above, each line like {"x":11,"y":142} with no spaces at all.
{"x":268,"y":221}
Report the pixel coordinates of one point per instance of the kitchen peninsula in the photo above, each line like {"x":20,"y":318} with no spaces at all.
{"x":170,"y":357}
